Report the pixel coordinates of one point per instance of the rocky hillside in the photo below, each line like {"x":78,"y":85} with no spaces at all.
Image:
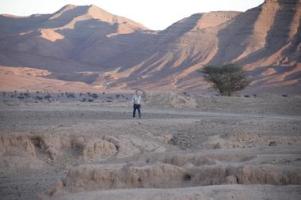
{"x":89,"y":45}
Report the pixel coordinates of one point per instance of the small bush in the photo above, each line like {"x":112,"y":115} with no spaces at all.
{"x":39,"y":98}
{"x":48,"y":96}
{"x":94,"y":95}
{"x":70,"y":95}
{"x":226,"y":78}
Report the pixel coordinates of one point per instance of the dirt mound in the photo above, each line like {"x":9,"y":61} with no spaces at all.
{"x":170,"y":99}
{"x":16,"y":145}
{"x":58,"y":148}
{"x":39,"y":148}
{"x":161,"y":175}
{"x":248,"y":174}
{"x":250,"y":140}
{"x":18,"y":152}
{"x":94,"y":177}
{"x":94,"y":149}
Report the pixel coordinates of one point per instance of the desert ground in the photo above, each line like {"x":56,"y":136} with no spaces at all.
{"x":87,"y":146}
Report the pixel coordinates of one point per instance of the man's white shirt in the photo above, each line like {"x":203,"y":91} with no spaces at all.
{"x":136,"y":99}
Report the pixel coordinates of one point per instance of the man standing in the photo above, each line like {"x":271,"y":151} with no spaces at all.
{"x":136,"y":104}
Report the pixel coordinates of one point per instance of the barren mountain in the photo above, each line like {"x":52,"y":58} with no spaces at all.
{"x":88,"y":44}
{"x":69,"y":34}
{"x":265,"y":39}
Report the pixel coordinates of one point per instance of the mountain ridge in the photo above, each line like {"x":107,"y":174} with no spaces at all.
{"x":122,"y":54}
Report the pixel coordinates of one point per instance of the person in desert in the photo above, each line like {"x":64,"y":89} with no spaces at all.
{"x":137,"y":98}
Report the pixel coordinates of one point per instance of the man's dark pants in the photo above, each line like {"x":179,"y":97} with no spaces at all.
{"x":137,"y":107}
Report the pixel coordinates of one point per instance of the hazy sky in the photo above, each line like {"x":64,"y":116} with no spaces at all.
{"x":154,"y":14}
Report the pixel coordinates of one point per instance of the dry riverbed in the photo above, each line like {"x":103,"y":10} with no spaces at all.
{"x":184,"y":147}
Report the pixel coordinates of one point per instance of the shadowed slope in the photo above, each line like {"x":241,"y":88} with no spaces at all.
{"x":122,"y":54}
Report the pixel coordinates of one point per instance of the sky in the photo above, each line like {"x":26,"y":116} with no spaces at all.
{"x":154,"y":14}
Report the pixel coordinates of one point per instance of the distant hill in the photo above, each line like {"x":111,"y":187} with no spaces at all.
{"x":89,"y":46}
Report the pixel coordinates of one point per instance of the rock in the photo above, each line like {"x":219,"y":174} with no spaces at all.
{"x":272,"y":143}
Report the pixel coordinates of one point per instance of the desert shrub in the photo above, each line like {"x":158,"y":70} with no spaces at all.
{"x":94,"y":95}
{"x":47,"y":96}
{"x":226,"y":78}
{"x":70,"y":95}
{"x":21,"y":97}
{"x":26,"y":94}
{"x":39,"y":98}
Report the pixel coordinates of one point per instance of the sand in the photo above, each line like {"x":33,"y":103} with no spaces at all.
{"x":184,"y":147}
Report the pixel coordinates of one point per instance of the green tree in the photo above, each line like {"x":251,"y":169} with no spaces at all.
{"x":226,"y":78}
